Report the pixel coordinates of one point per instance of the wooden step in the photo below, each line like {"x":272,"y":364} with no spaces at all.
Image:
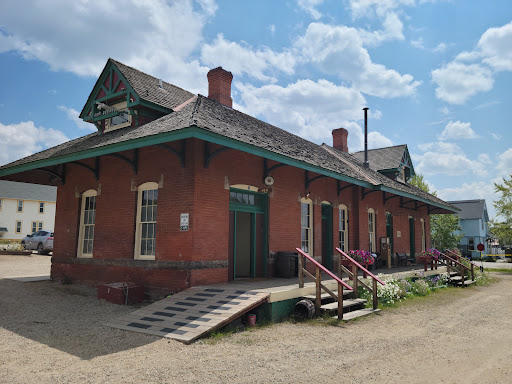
{"x":454,"y":274}
{"x":326,"y":296}
{"x":466,"y":283}
{"x":359,"y":313}
{"x":346,"y":304}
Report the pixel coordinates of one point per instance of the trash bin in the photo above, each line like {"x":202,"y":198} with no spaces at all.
{"x":287,"y":264}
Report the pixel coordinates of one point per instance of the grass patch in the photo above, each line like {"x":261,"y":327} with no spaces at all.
{"x":501,"y":270}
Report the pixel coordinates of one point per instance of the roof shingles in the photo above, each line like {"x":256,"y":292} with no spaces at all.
{"x":212,"y":116}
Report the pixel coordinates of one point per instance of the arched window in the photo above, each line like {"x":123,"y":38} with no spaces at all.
{"x":343,"y":228}
{"x":87,"y":222}
{"x":306,"y":225}
{"x":145,"y":233}
{"x":371,"y":230}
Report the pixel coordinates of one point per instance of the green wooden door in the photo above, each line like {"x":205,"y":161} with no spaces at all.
{"x":411,"y":236}
{"x":247,"y":234}
{"x":327,"y":236}
{"x":389,"y":230}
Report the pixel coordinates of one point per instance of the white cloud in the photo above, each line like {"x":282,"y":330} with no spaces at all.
{"x":495,"y":46}
{"x":338,"y":50}
{"x":272,"y":29}
{"x":495,"y":136}
{"x":365,"y":8}
{"x":243,"y":59}
{"x":306,"y":108}
{"x":445,"y":110}
{"x":441,"y":47}
{"x":470,"y":191}
{"x":444,"y":158}
{"x":418,"y":43}
{"x":310,"y":7}
{"x":484,"y":158}
{"x":505,"y":162}
{"x":455,"y":130}
{"x":378,"y":140}
{"x":474,"y":71}
{"x":392,"y":30}
{"x":24,"y":139}
{"x":80,"y":36}
{"x":73,"y":115}
{"x":457,"y":82}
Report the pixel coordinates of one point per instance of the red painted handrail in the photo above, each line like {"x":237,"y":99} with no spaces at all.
{"x":452,"y":259}
{"x":360,"y":266}
{"x":461,"y":256}
{"x":323,"y":268}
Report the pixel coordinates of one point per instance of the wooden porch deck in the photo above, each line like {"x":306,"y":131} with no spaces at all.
{"x":284,"y":289}
{"x":197,"y":311}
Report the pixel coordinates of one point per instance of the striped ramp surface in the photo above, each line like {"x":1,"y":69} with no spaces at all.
{"x":191,"y":314}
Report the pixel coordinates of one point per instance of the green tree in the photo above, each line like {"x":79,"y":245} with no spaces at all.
{"x":503,"y":229}
{"x":445,"y":230}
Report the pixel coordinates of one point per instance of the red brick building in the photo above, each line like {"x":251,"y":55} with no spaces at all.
{"x":177,"y":190}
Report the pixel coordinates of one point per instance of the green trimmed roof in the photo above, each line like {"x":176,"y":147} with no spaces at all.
{"x":209,"y":120}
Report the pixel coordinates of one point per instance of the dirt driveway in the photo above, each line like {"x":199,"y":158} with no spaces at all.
{"x":53,"y":333}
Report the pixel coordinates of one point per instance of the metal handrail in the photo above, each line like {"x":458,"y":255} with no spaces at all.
{"x":360,"y":266}
{"x":318,"y":265}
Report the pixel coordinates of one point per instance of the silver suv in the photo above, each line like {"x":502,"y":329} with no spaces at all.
{"x":42,"y":241}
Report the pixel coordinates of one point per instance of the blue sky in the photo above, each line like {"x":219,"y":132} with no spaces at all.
{"x":436,"y":74}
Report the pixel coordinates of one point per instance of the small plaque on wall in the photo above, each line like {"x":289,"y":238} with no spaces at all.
{"x":398,"y":234}
{"x":184,"y":222}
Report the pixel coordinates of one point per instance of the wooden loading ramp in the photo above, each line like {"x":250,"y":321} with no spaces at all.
{"x":191,"y":314}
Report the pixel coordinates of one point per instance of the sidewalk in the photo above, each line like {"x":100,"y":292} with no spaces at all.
{"x":489,"y":266}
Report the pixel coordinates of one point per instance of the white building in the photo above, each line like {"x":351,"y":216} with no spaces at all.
{"x":25,"y":208}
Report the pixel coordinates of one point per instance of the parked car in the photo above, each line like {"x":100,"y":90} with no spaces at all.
{"x":42,"y":241}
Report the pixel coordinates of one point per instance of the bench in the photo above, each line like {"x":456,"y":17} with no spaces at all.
{"x":403,"y":258}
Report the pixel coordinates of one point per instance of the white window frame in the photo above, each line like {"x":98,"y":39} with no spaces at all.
{"x":16,"y":226}
{"x":371,"y":230}
{"x":18,"y":206}
{"x":81,"y":233}
{"x":120,"y":107}
{"x":309,"y":227}
{"x":423,"y":236}
{"x":138,"y":232}
{"x":41,"y":206}
{"x":343,"y":227}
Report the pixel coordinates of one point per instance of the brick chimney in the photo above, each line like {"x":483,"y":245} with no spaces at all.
{"x":219,"y":86}
{"x":339,"y":139}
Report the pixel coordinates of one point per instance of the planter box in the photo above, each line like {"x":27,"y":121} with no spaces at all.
{"x":16,"y":253}
{"x":116,"y":293}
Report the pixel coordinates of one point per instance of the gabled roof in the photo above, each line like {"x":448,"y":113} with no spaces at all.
{"x":471,"y":209}
{"x":211,"y":121}
{"x":388,"y":158}
{"x":146,"y":88}
{"x":25,"y":191}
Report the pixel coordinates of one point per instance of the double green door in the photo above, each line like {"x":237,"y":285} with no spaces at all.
{"x":247,"y":234}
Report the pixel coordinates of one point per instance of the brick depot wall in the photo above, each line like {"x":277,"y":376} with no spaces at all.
{"x":200,"y":255}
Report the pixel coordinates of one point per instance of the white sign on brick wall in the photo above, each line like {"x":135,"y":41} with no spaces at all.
{"x":184,"y":222}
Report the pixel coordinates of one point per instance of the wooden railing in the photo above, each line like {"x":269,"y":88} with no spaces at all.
{"x":353,"y":274}
{"x":458,"y":257}
{"x":319,"y":268}
{"x":453,"y":263}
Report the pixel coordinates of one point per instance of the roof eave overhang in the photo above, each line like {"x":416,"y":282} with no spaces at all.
{"x":418,"y":198}
{"x":203,"y":134}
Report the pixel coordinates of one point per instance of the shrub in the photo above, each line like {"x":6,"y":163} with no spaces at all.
{"x":420,"y":287}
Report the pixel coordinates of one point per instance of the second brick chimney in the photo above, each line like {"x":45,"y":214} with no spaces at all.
{"x":339,"y":139}
{"x":219,"y":86}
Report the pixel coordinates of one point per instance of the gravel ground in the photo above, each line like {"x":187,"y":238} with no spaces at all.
{"x":52,"y":333}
